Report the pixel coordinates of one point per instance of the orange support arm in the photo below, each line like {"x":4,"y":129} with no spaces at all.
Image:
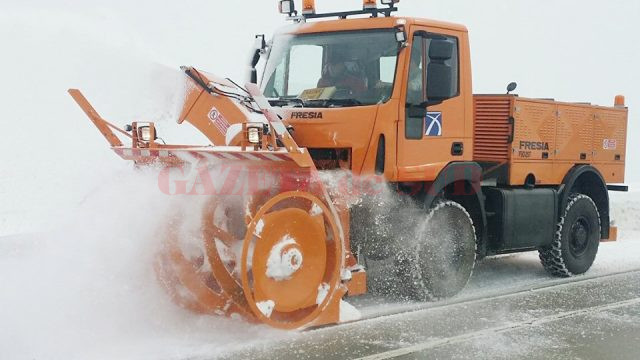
{"x":99,"y":122}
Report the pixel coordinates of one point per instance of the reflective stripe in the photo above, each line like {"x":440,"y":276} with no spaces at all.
{"x":251,"y":157}
{"x":228,"y":156}
{"x":211,"y":156}
{"x":272,"y":157}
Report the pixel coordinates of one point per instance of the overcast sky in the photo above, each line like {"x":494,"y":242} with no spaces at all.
{"x":573,"y":50}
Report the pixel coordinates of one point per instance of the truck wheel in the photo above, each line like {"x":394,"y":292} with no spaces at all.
{"x":576,"y":241}
{"x":440,"y":261}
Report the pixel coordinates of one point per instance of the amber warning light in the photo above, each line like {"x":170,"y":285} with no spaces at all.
{"x":308,"y":7}
{"x":372,"y":4}
{"x":369,"y":4}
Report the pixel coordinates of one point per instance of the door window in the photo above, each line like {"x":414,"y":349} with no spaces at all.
{"x":425,"y":76}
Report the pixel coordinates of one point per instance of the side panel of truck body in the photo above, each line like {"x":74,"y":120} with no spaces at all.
{"x":519,"y":140}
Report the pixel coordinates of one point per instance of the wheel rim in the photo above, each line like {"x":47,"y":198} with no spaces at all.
{"x":579,"y":236}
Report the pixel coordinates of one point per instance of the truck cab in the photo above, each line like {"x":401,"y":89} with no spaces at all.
{"x":397,"y":95}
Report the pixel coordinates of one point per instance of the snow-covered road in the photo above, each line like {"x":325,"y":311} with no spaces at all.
{"x":511,"y":308}
{"x":87,"y":290}
{"x":597,"y":317}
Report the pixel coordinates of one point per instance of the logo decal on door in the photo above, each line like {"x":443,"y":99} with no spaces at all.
{"x":433,"y":124}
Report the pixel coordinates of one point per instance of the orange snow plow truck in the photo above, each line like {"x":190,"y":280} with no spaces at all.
{"x":284,"y":237}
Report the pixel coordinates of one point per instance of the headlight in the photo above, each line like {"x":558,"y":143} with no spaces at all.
{"x":253,"y":135}
{"x":145,"y":133}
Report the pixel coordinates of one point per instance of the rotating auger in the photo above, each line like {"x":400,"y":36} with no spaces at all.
{"x":280,"y":264}
{"x":271,"y":249}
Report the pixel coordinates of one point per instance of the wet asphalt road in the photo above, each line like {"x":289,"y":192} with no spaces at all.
{"x":587,"y":318}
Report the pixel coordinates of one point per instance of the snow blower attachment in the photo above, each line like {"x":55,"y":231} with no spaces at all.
{"x":272,"y":252}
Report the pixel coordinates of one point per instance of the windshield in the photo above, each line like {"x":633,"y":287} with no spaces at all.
{"x":332,"y":69}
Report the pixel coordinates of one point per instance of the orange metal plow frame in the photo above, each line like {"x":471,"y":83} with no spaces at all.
{"x":274,"y":257}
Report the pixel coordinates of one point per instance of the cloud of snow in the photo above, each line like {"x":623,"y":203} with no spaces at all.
{"x":78,"y":282}
{"x":387,"y":226}
{"x":88,"y":290}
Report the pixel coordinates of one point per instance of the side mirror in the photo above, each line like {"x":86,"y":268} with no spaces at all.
{"x":259,"y":48}
{"x":511,"y":87}
{"x":440,"y":76}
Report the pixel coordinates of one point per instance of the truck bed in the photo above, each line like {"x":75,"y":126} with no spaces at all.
{"x":518,"y":140}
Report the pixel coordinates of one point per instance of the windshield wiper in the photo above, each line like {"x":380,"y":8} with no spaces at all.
{"x":335,"y":102}
{"x":287,"y":101}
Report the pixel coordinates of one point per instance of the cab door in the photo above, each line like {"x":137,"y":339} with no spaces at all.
{"x":432,"y":126}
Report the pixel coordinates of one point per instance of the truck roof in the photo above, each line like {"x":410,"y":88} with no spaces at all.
{"x":366,"y":23}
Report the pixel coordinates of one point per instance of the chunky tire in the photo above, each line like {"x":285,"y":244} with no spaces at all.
{"x":576,"y":240}
{"x":440,"y":260}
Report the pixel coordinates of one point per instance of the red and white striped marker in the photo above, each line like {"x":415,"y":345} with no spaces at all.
{"x":212,"y":155}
